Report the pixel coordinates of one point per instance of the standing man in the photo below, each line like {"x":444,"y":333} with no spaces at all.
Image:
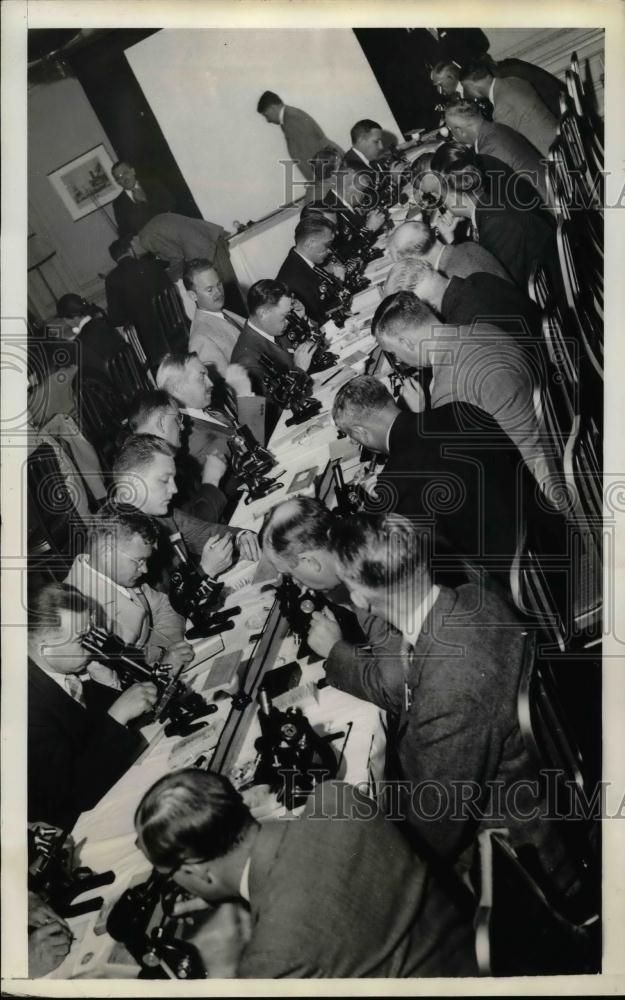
{"x":304,"y":138}
{"x":139,"y":201}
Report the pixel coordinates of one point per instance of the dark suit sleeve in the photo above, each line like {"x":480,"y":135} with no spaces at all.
{"x":115,"y":305}
{"x":62,"y":783}
{"x":122,"y":210}
{"x":507,"y":243}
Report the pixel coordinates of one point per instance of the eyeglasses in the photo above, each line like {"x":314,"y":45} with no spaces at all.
{"x":177,"y":414}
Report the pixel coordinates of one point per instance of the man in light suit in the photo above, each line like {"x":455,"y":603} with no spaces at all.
{"x":304,"y":138}
{"x":468,"y":126}
{"x":463,"y":656}
{"x":121,"y":541}
{"x":214,"y":330}
{"x":78,"y":743}
{"x":515,"y":103}
{"x":337,"y":893}
{"x":479,"y":364}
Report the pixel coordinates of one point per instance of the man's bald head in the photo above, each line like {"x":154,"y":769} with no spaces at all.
{"x":464,"y":120}
{"x":411,"y":239}
{"x":296,"y":539}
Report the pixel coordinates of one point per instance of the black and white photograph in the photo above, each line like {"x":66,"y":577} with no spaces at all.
{"x":312,"y":655}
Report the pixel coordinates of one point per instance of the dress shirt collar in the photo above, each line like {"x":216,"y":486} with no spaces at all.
{"x":411,"y":634}
{"x":436,"y":262}
{"x":388,"y":435}
{"x":82,"y":322}
{"x":244,"y":885}
{"x":108,"y":581}
{"x":300,"y":254}
{"x":58,"y":678}
{"x":281,"y":115}
{"x":362,"y":156}
{"x":213,"y":417}
{"x":260,"y":332}
{"x":491,"y":92}
{"x":210,"y":312}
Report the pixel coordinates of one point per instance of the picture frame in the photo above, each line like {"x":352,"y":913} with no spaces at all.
{"x":84,"y":184}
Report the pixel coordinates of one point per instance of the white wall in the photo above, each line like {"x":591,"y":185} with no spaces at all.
{"x":203,"y":87}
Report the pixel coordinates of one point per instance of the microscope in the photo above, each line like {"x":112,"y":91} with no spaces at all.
{"x":291,"y":391}
{"x":250,"y":464}
{"x":300,"y":330}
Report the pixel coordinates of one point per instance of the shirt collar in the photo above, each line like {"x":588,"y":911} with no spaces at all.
{"x":107,"y":580}
{"x":281,"y":115}
{"x":244,"y":885}
{"x":84,"y":320}
{"x":388,"y":435}
{"x":261,"y":332}
{"x":212,"y":417}
{"x":361,"y":155}
{"x":411,"y":635}
{"x":211,"y":312}
{"x":300,"y":254}
{"x":437,"y":261}
{"x":58,"y":678}
{"x":491,"y":91}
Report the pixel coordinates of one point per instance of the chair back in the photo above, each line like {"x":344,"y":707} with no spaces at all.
{"x":518,"y":932}
{"x":172,"y":318}
{"x":54,"y":525}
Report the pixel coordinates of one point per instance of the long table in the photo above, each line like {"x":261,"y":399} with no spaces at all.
{"x":239,"y":660}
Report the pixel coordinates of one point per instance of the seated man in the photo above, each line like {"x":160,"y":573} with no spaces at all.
{"x":468,"y":126}
{"x":198,"y":477}
{"x":418,"y":239}
{"x":208,"y":406}
{"x":480,"y":298}
{"x":515,"y":103}
{"x":463,"y":655}
{"x":78,"y":743}
{"x":120,"y":543}
{"x":454,"y":451}
{"x":214,"y":330}
{"x":308,"y":271}
{"x":97,"y":340}
{"x":139,"y":201}
{"x":269,"y":304}
{"x":144,"y":474}
{"x":479,"y":364}
{"x":325,"y":900}
{"x":345,"y":197}
{"x":131,"y":289}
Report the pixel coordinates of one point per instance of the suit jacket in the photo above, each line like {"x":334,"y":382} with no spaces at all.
{"x":302,"y":281}
{"x":547,"y":86}
{"x":463,"y":259}
{"x":213,"y":337}
{"x":131,"y":216}
{"x":97,"y":342}
{"x":486,"y":367}
{"x":484,"y":298}
{"x":75,"y":754}
{"x":513,"y":149}
{"x":147,"y":621}
{"x":131,"y":288}
{"x":460,"y":724}
{"x":248,"y":351}
{"x":454,"y":469}
{"x":519,"y":240}
{"x":516,"y":103}
{"x":304,"y":138}
{"x":176,"y":238}
{"x":325,"y":901}
{"x":353,"y":161}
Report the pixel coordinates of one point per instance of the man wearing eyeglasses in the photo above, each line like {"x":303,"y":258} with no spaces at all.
{"x":78,"y":740}
{"x":120,"y":543}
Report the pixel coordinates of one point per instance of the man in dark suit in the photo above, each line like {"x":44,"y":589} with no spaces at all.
{"x":131,"y":288}
{"x":78,"y":740}
{"x":307,"y":271}
{"x":332,"y":895}
{"x":464,"y":654}
{"x":451,"y":467}
{"x":269,"y":304}
{"x":97,"y":339}
{"x":506,"y":218}
{"x":480,"y":298}
{"x":468,"y":126}
{"x":140,"y":200}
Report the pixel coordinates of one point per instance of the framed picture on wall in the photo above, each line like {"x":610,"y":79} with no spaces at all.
{"x":85,"y":184}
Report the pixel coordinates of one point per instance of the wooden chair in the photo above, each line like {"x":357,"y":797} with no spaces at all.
{"x":518,"y":932}
{"x":173,"y":320}
{"x":584,"y":296}
{"x":56,"y":532}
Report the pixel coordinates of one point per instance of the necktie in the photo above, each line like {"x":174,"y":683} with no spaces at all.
{"x":138,"y":193}
{"x":73,"y":686}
